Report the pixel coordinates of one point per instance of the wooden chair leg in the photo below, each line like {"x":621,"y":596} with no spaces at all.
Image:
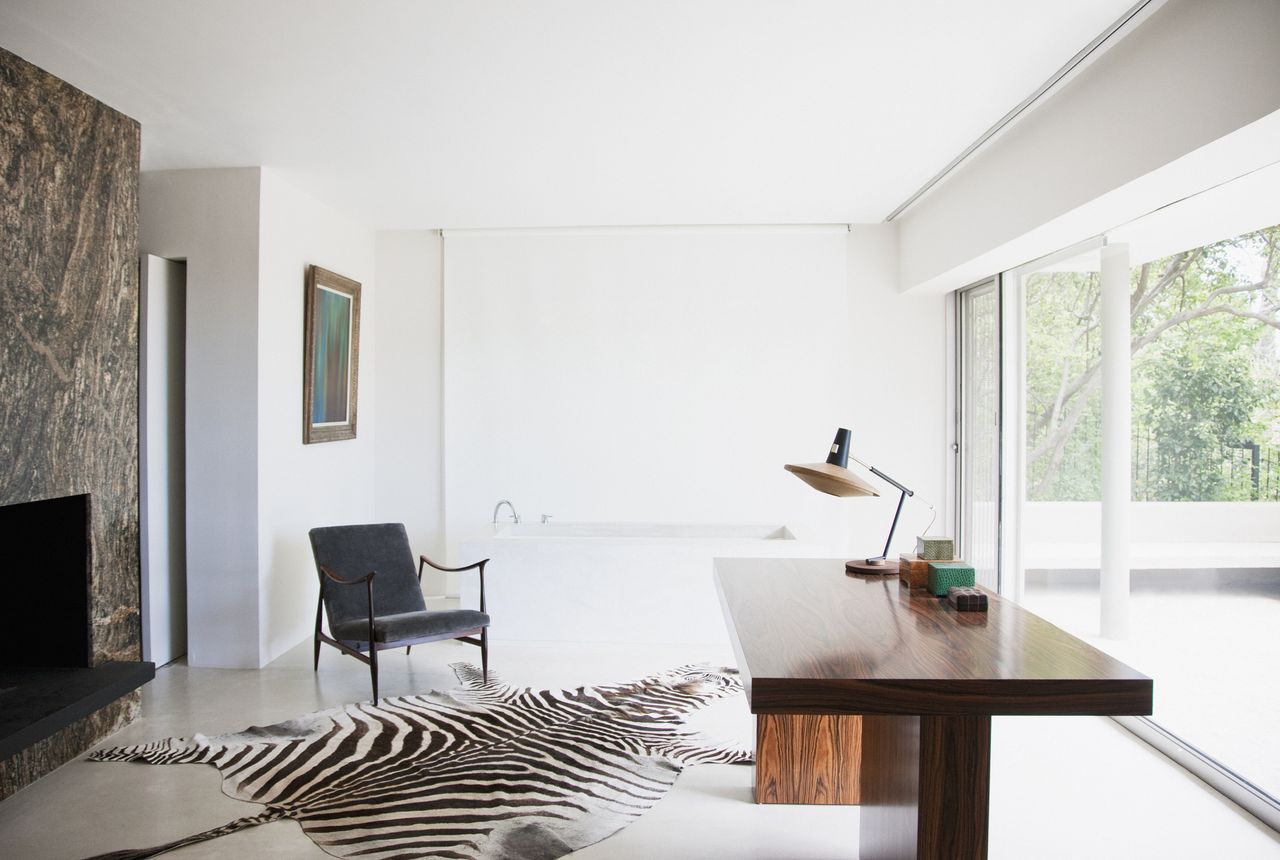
{"x":484,"y":653}
{"x":315,"y":664}
{"x":373,"y":670}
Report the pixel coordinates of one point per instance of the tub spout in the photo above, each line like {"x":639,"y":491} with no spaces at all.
{"x":514,"y":516}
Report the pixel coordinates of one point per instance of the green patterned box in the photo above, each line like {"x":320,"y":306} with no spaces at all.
{"x":949,"y":574}
{"x":935,"y":548}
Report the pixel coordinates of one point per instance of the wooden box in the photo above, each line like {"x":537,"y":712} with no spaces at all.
{"x":913,"y":571}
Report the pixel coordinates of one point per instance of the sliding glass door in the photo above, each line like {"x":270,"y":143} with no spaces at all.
{"x":1045,"y":469}
{"x":1053,"y":448}
{"x":978,"y":436}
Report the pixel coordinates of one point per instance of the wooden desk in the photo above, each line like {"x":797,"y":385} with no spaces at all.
{"x":814,"y":643}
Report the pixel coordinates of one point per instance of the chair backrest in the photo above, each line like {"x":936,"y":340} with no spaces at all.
{"x":351,"y":552}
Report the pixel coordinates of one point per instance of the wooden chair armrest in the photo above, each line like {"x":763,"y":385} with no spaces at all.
{"x":334,"y":577}
{"x":479,"y":564}
{"x":367,"y":579}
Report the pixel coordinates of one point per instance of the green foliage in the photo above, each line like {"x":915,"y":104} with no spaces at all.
{"x":1199,"y":398}
{"x":1062,"y":345}
{"x":1206,"y":372}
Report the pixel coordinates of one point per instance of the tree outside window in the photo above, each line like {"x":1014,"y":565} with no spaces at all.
{"x":1206,"y":377}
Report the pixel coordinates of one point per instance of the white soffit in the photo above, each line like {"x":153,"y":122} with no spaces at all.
{"x":1220,"y":190}
{"x":1250,"y":202}
{"x":572,"y":113}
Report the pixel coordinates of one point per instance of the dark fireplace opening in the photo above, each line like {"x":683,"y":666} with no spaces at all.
{"x":48,"y":556}
{"x":47,"y":680}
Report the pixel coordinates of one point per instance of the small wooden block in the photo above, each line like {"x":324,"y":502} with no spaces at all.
{"x":913,"y":570}
{"x":967,"y":599}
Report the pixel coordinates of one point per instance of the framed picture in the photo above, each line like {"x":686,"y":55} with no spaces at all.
{"x":331,"y":357}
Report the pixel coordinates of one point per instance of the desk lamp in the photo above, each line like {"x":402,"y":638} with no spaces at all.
{"x":834,"y":478}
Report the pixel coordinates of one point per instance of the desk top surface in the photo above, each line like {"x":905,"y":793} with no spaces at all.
{"x":811,"y":639}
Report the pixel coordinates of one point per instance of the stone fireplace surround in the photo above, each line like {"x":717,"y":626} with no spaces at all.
{"x":48,"y":681}
{"x":69,"y":399}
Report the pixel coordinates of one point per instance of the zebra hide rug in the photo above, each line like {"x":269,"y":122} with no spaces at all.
{"x":486,"y":771}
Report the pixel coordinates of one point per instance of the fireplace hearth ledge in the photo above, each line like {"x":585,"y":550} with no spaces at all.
{"x":37,"y":703}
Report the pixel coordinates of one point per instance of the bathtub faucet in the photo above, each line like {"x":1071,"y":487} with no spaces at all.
{"x":514,"y":516}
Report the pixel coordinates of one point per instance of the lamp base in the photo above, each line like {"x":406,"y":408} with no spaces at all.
{"x":886,"y":567}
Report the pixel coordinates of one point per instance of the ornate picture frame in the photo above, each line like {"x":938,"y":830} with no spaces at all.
{"x":331,"y":357}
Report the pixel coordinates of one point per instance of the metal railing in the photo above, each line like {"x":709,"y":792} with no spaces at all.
{"x":1239,"y":472}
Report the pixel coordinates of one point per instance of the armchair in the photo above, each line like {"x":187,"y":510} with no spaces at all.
{"x":374,"y":601}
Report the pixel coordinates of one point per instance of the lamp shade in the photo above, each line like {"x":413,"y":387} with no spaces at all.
{"x":833,"y":477}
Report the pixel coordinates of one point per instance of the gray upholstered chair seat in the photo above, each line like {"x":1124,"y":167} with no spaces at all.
{"x":411,"y":625}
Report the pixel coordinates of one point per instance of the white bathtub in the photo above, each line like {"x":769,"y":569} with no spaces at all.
{"x":614,"y":582}
{"x":645,"y":532}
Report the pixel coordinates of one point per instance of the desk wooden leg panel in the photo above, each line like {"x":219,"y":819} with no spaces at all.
{"x":925,"y":787}
{"x":804,"y":758}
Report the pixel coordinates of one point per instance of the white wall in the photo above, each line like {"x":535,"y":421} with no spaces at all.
{"x":1166,"y":535}
{"x":162,"y":458}
{"x":253,"y":488}
{"x":660,"y":375}
{"x":897,"y":383}
{"x":410,"y":487}
{"x":210,"y":219}
{"x":549,"y":404}
{"x":1186,"y":100}
{"x":667,"y":375}
{"x":304,"y":486}
{"x":1155,"y":522}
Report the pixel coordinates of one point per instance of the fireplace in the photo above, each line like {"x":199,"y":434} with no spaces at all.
{"x":71,"y":637}
{"x":48,"y":552}
{"x":48,"y":681}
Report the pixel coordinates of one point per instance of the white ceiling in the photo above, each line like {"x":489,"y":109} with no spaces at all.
{"x":416,"y":114}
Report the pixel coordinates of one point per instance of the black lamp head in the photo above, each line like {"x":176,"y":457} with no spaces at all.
{"x":839,"y":455}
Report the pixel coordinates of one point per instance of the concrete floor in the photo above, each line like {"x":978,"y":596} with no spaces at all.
{"x":1063,"y":787}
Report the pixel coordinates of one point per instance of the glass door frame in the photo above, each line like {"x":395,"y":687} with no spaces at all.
{"x":960,"y":438}
{"x":1013,"y":389}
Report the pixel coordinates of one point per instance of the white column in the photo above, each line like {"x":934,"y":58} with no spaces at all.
{"x":1116,"y":490}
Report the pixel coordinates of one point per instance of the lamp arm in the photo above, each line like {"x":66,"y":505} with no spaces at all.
{"x":881,"y":475}
{"x":902,"y":498}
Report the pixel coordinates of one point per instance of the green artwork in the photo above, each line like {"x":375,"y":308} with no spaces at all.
{"x":331,"y":384}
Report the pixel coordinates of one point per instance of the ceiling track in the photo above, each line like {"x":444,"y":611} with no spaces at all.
{"x":1055,"y":79}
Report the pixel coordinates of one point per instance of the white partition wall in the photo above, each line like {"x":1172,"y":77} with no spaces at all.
{"x":253,"y":487}
{"x":652,"y":375}
{"x":162,"y":443}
